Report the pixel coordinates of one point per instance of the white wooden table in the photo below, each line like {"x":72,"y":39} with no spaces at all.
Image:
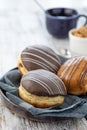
{"x":22,"y":23}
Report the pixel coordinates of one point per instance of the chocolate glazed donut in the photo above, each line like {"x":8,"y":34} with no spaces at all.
{"x":74,"y":74}
{"x":42,"y":88}
{"x":38,"y":57}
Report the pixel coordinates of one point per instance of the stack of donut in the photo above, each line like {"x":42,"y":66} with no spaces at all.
{"x":45,"y":82}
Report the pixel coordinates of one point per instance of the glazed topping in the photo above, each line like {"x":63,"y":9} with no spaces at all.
{"x":40,"y":57}
{"x":43,"y":83}
{"x":73,"y":69}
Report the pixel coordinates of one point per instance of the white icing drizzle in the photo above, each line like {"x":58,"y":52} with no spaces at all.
{"x":44,"y":49}
{"x":59,"y":84}
{"x":38,"y":63}
{"x":67,"y":63}
{"x":47,"y":75}
{"x":50,"y":64}
{"x":44,"y":85}
{"x":48,"y":55}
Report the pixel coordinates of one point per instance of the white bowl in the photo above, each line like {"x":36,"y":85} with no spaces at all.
{"x":78,"y":45}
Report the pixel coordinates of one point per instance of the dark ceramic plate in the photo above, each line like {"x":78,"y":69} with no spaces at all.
{"x":73,"y":106}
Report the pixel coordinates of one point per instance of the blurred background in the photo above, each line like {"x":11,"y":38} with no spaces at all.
{"x":22,"y":23}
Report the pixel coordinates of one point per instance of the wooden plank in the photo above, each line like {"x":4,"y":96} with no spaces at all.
{"x":9,"y":121}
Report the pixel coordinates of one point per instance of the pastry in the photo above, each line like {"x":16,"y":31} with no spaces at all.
{"x":38,"y":57}
{"x":42,"y":88}
{"x":74,"y":75}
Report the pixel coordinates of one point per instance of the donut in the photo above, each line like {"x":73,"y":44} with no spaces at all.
{"x":42,"y":88}
{"x":74,"y":75}
{"x":38,"y":57}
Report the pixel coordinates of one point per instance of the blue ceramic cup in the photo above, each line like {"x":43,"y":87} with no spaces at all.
{"x":60,"y":20}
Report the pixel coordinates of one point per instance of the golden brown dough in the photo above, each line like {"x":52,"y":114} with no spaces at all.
{"x":40,"y":101}
{"x":42,"y":89}
{"x":21,"y":67}
{"x":74,"y":74}
{"x":38,"y":57}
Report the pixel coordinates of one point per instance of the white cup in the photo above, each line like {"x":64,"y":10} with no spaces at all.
{"x":78,"y":45}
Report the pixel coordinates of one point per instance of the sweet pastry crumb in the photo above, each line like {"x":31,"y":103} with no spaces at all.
{"x":38,"y":57}
{"x":40,"y":101}
{"x":42,"y":88}
{"x":74,"y":74}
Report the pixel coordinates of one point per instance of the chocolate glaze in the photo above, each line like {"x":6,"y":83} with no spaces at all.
{"x":40,"y":57}
{"x":74,"y":72}
{"x":43,"y":83}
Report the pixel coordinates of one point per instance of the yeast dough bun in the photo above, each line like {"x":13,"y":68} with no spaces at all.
{"x":74,"y":74}
{"x":42,"y":88}
{"x":38,"y":57}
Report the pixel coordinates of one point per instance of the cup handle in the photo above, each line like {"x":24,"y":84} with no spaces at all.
{"x":84,"y":17}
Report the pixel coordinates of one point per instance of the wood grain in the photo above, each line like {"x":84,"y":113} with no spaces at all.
{"x":22,"y":23}
{"x":9,"y":121}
